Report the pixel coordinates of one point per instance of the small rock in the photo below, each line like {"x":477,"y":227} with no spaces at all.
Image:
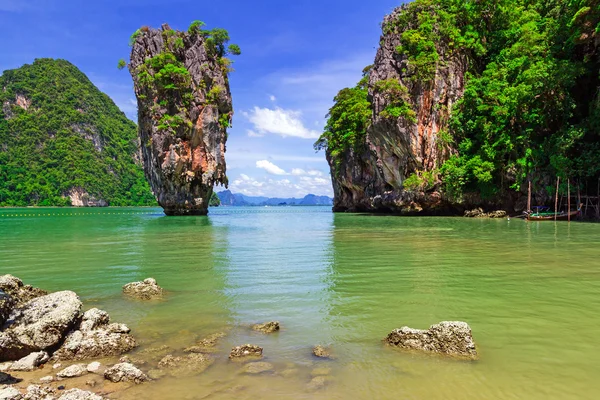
{"x":61,"y":387}
{"x":247,"y":350}
{"x":47,"y":379}
{"x":146,"y":290}
{"x":93,"y":367}
{"x":320,"y":371}
{"x":497,"y":214}
{"x":5,"y":366}
{"x":268,"y":327}
{"x":30,"y":362}
{"x":36,"y":392}
{"x":125,"y":372}
{"x":10,"y":393}
{"x":169,"y":361}
{"x":450,"y":338}
{"x":286,"y":373}
{"x":156,"y":373}
{"x":57,"y":366}
{"x":206,"y":345}
{"x":318,"y":382}
{"x":73,"y":371}
{"x":322,"y":352}
{"x":91,"y":383}
{"x":257,"y":368}
{"x":125,"y":359}
{"x":78,"y":394}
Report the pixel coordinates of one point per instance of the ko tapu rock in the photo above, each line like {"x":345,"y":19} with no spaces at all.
{"x":184,"y":109}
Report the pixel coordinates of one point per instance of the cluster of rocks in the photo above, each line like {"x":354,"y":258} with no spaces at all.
{"x":479,"y":213}
{"x":37,"y":327}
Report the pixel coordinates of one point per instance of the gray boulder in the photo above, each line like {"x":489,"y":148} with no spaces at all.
{"x":96,"y":337}
{"x":449,"y":338}
{"x":30,"y":362}
{"x":145,"y":290}
{"x":125,"y":372}
{"x":39,"y":324}
{"x":322,"y":352}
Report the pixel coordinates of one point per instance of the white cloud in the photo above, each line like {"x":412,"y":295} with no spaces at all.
{"x":282,"y":187}
{"x":251,"y":133}
{"x":298,"y":171}
{"x":270,"y":167}
{"x":286,"y":123}
{"x":273,"y":98}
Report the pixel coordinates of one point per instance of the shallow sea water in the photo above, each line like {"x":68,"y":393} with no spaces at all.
{"x":530,"y":291}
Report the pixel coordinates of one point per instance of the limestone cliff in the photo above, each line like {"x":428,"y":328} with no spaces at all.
{"x":406,"y":133}
{"x":184,"y":109}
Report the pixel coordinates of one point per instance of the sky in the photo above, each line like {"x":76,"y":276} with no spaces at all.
{"x":296,"y":55}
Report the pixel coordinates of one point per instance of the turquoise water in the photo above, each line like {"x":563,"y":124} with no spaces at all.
{"x":530,"y":291}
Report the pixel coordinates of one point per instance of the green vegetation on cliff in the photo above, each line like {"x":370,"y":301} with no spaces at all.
{"x":530,"y":108}
{"x":58,"y":132}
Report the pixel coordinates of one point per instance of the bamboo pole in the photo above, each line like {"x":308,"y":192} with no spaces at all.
{"x":529,"y":198}
{"x":568,"y":199}
{"x":556,"y":199}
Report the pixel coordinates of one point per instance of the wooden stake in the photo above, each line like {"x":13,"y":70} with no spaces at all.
{"x":556,"y":200}
{"x":569,"y":199}
{"x":529,"y":198}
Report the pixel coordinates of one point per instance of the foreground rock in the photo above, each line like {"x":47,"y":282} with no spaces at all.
{"x":268,"y":327}
{"x":39,"y":324}
{"x":449,"y":338}
{"x":73,"y":371}
{"x":10,"y":393}
{"x":30,"y":362}
{"x":125,"y":372}
{"x":247,"y":350}
{"x":18,"y":292}
{"x":145,"y":290}
{"x":322,"y":352}
{"x":96,"y":337}
{"x":183,"y":131}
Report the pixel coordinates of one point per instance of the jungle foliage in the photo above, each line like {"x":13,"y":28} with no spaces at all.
{"x":531,"y":106}
{"x":58,"y":132}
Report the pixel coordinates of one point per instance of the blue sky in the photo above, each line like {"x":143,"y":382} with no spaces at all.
{"x":296,"y":55}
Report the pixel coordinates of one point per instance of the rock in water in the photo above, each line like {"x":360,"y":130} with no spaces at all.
{"x":125,"y":372}
{"x":450,"y":338}
{"x":247,"y":350}
{"x":322,"y":352}
{"x":39,"y":324}
{"x":184,"y":109}
{"x":268,"y":327}
{"x":30,"y":362}
{"x":145,"y":290}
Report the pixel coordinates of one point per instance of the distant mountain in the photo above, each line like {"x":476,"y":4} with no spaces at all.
{"x":232,"y":199}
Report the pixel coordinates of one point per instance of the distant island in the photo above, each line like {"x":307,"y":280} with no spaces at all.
{"x":227,"y":198}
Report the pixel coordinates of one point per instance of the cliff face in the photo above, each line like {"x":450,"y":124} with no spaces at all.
{"x":406,"y":135}
{"x":184,"y":109}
